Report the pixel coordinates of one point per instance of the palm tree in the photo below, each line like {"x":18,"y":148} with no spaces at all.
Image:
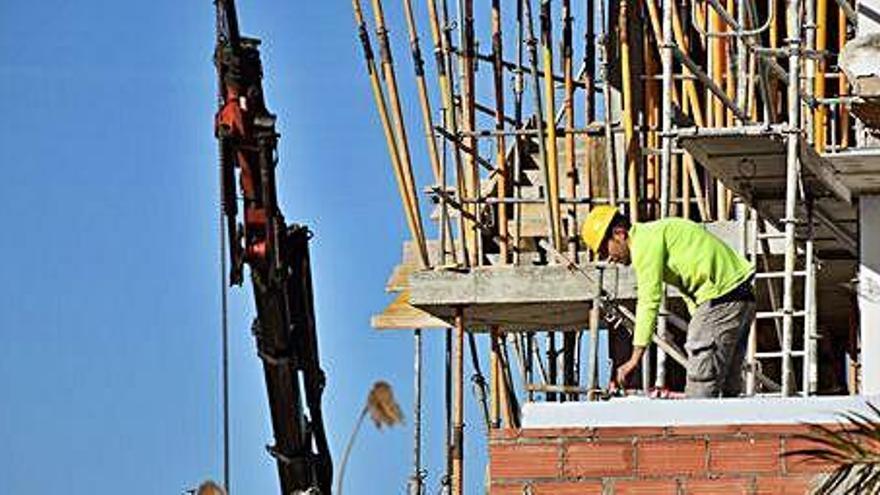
{"x":383,"y":410}
{"x":854,"y":450}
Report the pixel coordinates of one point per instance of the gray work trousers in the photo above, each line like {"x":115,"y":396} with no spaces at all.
{"x":717,"y":337}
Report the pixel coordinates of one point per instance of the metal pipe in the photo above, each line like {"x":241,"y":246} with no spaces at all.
{"x":610,"y":162}
{"x":593,"y":376}
{"x":443,"y":62}
{"x":427,"y":119}
{"x":741,"y":76}
{"x":589,"y":66}
{"x":457,"y":474}
{"x":569,"y":340}
{"x":568,"y":105}
{"x":518,"y":147}
{"x":539,"y":117}
{"x":447,"y":395}
{"x":501,"y":147}
{"x":842,"y":83}
{"x":515,"y":67}
{"x":551,"y":364}
{"x":494,"y":396}
{"x":737,"y":24}
{"x":416,"y":479}
{"x":665,"y":162}
{"x":711,"y":85}
{"x":478,"y":380}
{"x":791,"y":189}
{"x":810,"y":368}
{"x":848,"y":13}
{"x":752,"y":345}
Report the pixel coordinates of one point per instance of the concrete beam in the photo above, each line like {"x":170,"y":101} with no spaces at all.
{"x":517,"y":297}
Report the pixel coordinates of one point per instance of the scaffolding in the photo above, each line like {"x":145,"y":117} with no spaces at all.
{"x":730,"y":112}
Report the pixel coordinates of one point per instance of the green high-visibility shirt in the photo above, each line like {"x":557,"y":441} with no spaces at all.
{"x":685,"y":255}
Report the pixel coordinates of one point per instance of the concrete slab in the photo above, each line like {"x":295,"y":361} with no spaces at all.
{"x":637,"y":411}
{"x":753,"y":166}
{"x":859,"y":169}
{"x":517,"y":297}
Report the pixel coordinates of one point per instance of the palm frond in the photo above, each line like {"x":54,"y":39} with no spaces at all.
{"x":852,"y":448}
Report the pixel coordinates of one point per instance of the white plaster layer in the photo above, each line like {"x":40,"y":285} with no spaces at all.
{"x":638,"y":411}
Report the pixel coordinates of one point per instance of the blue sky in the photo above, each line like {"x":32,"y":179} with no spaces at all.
{"x":109,"y":367}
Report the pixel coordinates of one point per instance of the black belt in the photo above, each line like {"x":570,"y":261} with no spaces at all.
{"x":741,"y":293}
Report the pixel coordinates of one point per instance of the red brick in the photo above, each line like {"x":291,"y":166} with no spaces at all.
{"x":802,"y":464}
{"x":598,"y":459}
{"x":556,"y":433}
{"x":708,"y":430}
{"x":621,"y":432}
{"x":714,"y":486}
{"x":788,"y":485}
{"x":524,"y":461}
{"x":746,"y":455}
{"x":645,"y":487}
{"x":671,"y":457}
{"x":503,"y":434}
{"x":775,"y":429}
{"x":549,"y":488}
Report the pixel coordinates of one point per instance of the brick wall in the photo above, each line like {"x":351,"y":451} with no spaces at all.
{"x":673,"y":460}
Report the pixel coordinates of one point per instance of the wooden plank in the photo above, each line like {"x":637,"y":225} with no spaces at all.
{"x":400,"y":315}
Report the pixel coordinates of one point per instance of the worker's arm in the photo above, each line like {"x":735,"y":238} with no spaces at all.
{"x":649,"y":258}
{"x":648,"y":261}
{"x":627,"y":367}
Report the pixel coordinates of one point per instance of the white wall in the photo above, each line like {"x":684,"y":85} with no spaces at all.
{"x":869,"y":292}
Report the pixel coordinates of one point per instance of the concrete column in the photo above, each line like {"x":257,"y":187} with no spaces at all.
{"x":869,"y":292}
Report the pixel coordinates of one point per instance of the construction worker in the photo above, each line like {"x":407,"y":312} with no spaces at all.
{"x":714,"y":280}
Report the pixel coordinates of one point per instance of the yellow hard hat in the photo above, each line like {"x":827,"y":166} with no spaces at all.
{"x":596,"y":225}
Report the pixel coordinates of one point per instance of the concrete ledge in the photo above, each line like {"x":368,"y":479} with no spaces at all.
{"x":516,"y":298}
{"x":639,"y":412}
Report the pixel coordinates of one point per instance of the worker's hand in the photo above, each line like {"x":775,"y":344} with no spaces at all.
{"x":627,"y":368}
{"x":623,"y":372}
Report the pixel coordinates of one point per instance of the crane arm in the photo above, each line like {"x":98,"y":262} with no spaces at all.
{"x":277,"y":256}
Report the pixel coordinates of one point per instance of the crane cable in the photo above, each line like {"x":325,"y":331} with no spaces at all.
{"x":224,"y":330}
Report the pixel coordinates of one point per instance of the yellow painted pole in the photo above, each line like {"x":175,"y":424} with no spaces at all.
{"x":397,"y":114}
{"x":500,"y":144}
{"x":696,"y":110}
{"x":421,"y":84}
{"x":717,"y":62}
{"x":468,"y":111}
{"x":630,"y":143}
{"x":550,"y":102}
{"x":409,"y":206}
{"x":819,"y":88}
{"x":568,"y":74}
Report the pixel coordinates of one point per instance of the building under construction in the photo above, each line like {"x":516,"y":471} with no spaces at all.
{"x":756,"y":118}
